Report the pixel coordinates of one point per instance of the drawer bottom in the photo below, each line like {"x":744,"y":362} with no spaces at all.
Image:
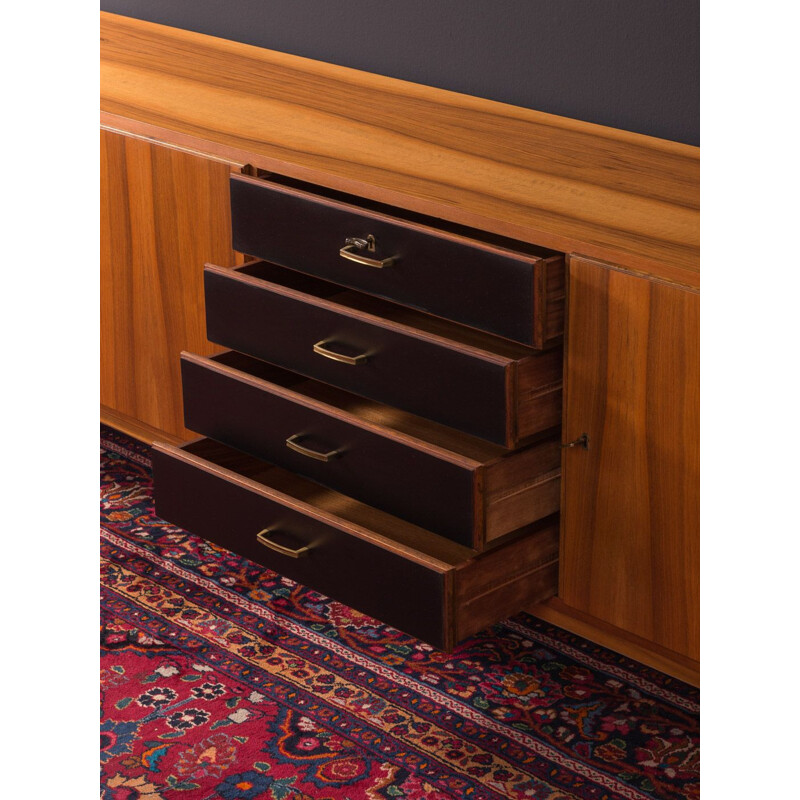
{"x":412,"y":579}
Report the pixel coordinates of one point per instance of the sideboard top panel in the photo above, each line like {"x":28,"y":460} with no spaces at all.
{"x":552,"y":181}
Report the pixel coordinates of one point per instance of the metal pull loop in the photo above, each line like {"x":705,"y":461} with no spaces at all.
{"x":279,"y":548}
{"x":293,"y":444}
{"x":354,"y":243}
{"x":581,"y":441}
{"x":321,"y":349}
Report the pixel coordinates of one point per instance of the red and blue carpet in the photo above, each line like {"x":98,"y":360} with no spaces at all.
{"x":221,"y":680}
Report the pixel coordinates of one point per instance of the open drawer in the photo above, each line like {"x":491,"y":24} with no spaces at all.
{"x":480,"y":384}
{"x":410,"y":578}
{"x":460,"y":487}
{"x":510,"y":289}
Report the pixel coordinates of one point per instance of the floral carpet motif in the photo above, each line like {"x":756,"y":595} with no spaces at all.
{"x":222,"y":680}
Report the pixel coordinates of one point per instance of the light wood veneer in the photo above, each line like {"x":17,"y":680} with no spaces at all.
{"x":630,"y":503}
{"x":559,"y":183}
{"x":164,"y":213}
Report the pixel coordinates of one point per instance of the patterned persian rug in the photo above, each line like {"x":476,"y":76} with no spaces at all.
{"x":221,"y":680}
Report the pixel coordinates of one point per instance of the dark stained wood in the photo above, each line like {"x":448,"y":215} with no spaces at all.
{"x":388,"y":421}
{"x":320,"y":503}
{"x":376,"y":579}
{"x":258,"y":416}
{"x":487,"y":287}
{"x":427,"y":586}
{"x":381,"y":311}
{"x":434,"y":482}
{"x":559,"y":183}
{"x":163,"y":213}
{"x":278,"y":316}
{"x":630,"y":503}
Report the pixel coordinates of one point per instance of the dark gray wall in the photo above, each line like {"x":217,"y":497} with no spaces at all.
{"x":631,"y":64}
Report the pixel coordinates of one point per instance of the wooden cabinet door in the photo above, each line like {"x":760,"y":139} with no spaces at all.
{"x":630,"y":506}
{"x":163,"y":214}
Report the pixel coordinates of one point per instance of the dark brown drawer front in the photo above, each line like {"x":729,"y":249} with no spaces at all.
{"x":450,"y":386}
{"x":377,"y":581}
{"x":413,"y":484}
{"x":486,"y":287}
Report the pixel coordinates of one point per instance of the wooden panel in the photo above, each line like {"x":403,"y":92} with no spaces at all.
{"x":223,"y":399}
{"x":164,"y":213}
{"x":549,"y":303}
{"x":539,"y":397}
{"x":559,"y":183}
{"x":144,"y":433}
{"x":630,"y":503}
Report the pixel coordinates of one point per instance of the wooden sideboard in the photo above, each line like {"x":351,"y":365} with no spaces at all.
{"x":181,"y":112}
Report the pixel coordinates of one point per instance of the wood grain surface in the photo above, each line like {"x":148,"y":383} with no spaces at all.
{"x":630,"y":503}
{"x":164,"y":213}
{"x":522,"y":487}
{"x":522,"y":571}
{"x":559,"y":183}
{"x":180,"y":110}
{"x":628,"y":644}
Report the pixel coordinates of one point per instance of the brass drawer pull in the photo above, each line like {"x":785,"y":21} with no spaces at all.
{"x":293,"y":444}
{"x":321,"y":349}
{"x":352,"y":244}
{"x":279,"y":548}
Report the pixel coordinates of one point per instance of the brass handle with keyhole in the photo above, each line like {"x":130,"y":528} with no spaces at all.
{"x":354,"y":243}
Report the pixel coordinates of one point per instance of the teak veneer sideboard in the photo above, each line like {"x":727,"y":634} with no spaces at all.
{"x":181,"y":113}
